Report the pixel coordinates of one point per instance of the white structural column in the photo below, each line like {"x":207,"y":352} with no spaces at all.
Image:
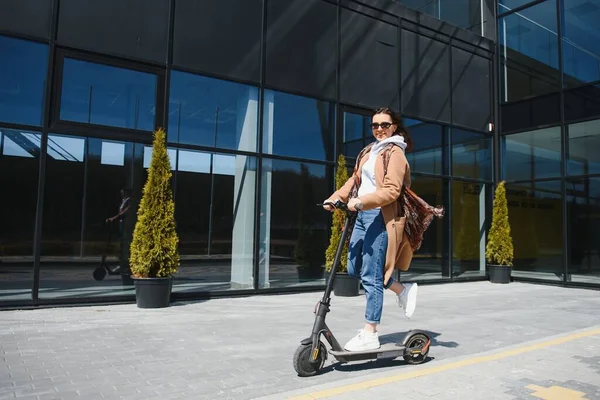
{"x":244,"y":193}
{"x":265,"y":207}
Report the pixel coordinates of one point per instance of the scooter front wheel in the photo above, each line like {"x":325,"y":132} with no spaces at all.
{"x":302,"y":363}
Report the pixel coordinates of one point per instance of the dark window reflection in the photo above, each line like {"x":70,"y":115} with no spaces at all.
{"x":531,"y":155}
{"x":22,"y":80}
{"x":583,"y":144}
{"x":582,"y":103}
{"x":19,"y":151}
{"x":468,"y":227}
{"x":294,"y":230}
{"x":529,"y":48}
{"x":581,"y":48}
{"x":465,"y":14}
{"x":535,"y":217}
{"x":583,"y":198}
{"x":297,"y":126}
{"x":431,"y":260}
{"x":211,"y":112}
{"x":88,"y":182}
{"x":428,"y":141}
{"x":356,"y":133}
{"x":105,"y":95}
{"x":471,"y":154}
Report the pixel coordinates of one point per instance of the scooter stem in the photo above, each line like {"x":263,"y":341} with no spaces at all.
{"x":336,"y":260}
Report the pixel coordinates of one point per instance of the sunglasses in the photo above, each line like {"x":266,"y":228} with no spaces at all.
{"x":383,"y":125}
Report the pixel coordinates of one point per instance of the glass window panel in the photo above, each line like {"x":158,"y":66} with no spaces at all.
{"x":18,"y":152}
{"x":468,"y":227}
{"x":294,"y":230}
{"x":531,"y":155}
{"x":428,"y":141}
{"x":214,"y":214}
{"x":148,"y":157}
{"x":431,"y":261}
{"x":529,"y":48}
{"x":297,"y":126}
{"x":356,"y":129}
{"x":535,"y":217}
{"x":471,"y":154}
{"x":581,"y":42}
{"x":105,"y":95}
{"x":507,"y":5}
{"x":582,"y":103}
{"x":465,"y":14}
{"x":583,"y":218}
{"x":113,"y":154}
{"x":583,"y":144}
{"x":87,"y":181}
{"x":22,"y":81}
{"x":211,"y":112}
{"x":214,"y":207}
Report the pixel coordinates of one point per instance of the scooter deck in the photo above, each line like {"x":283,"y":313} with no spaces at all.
{"x":387,"y":350}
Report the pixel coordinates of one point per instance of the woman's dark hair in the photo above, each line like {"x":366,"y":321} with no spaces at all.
{"x":396,"y":120}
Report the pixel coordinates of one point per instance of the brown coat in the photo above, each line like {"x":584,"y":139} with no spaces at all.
{"x":399,"y":253}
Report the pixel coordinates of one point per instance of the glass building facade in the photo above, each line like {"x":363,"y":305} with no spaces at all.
{"x":258,"y":98}
{"x":549,"y":64}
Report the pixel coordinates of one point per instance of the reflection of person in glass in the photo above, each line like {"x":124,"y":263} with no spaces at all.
{"x":376,"y":244}
{"x":122,"y":217}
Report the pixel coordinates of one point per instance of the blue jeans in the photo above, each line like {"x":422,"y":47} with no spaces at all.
{"x":366,"y":259}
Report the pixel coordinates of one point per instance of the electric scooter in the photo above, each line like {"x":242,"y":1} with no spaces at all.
{"x":311,"y":354}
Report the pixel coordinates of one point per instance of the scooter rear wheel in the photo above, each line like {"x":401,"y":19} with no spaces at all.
{"x":302,"y":364}
{"x":417,"y":348}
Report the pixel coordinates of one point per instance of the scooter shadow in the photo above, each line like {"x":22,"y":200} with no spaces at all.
{"x":387,"y":363}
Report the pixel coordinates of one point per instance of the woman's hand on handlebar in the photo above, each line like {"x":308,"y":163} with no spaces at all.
{"x":328,"y":204}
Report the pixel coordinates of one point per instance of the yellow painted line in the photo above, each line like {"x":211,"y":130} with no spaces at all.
{"x":441,"y":368}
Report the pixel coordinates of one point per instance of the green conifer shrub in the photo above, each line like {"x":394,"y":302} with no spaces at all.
{"x":499,"y":249}
{"x":154,"y":248}
{"x":337,"y":223}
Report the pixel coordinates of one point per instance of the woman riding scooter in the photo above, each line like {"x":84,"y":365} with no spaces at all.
{"x":377,"y":244}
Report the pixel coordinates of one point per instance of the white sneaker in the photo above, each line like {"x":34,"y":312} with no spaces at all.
{"x":363,"y":341}
{"x":408,"y":298}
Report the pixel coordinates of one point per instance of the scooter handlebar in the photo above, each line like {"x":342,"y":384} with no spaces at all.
{"x":337,"y":204}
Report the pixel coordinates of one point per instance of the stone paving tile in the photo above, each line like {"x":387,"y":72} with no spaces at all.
{"x":242,"y":347}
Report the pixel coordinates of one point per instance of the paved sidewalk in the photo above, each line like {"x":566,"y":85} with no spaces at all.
{"x":514,"y":341}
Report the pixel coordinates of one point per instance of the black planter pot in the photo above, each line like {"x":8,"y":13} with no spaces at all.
{"x":345,"y":285}
{"x":499,"y":273}
{"x":153,"y":292}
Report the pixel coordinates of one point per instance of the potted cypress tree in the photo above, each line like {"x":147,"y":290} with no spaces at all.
{"x":344,"y":284}
{"x":499,"y":249}
{"x":154,"y":253}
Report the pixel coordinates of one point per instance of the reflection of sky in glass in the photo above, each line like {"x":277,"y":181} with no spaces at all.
{"x":205,"y":110}
{"x":22,"y":80}
{"x":113,"y":154}
{"x":107,"y":95}
{"x":297,"y":126}
{"x":196,"y":161}
{"x":13,"y":149}
{"x":66,"y":148}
